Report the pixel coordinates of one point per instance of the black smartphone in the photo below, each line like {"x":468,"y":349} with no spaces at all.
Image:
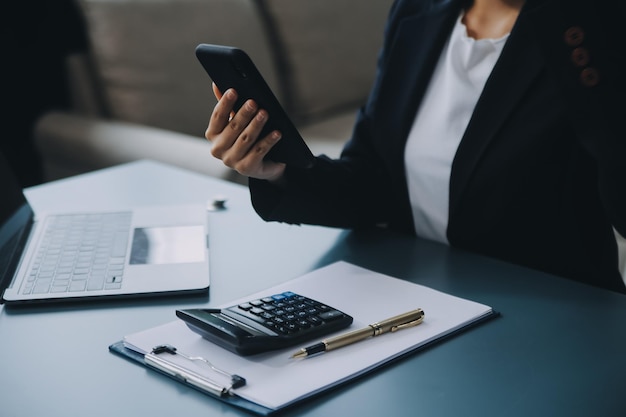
{"x":230,"y":67}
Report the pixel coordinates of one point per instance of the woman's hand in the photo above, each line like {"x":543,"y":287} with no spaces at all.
{"x":234,"y":138}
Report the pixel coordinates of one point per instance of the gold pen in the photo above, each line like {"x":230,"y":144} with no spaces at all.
{"x":409,"y":319}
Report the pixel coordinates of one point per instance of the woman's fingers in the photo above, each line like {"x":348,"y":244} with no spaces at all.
{"x":221,"y":115}
{"x":245,"y":138}
{"x":216,"y":91}
{"x":235,"y":137}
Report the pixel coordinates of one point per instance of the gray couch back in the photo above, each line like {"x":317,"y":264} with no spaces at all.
{"x":319,"y":56}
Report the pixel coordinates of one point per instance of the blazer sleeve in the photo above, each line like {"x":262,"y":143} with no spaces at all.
{"x":350,"y":192}
{"x":584,"y":44}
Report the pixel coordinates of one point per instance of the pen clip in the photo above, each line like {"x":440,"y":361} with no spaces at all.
{"x":411,"y":323}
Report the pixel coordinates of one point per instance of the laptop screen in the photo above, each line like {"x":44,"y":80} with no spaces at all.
{"x":16,"y":218}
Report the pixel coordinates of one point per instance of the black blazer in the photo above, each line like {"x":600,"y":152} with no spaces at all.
{"x":538,"y":177}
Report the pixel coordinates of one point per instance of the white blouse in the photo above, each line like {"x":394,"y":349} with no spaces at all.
{"x":461,"y":73}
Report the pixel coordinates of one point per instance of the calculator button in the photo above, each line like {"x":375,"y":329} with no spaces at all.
{"x":304,"y":324}
{"x":330,"y":315}
{"x":256,"y":310}
{"x":266,"y":315}
{"x":245,"y":306}
{"x":315,"y":321}
{"x":282,"y":329}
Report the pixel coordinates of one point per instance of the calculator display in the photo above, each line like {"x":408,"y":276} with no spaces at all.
{"x":273,"y":322}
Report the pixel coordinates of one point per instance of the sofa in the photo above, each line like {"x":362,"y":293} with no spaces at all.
{"x":138,"y":91}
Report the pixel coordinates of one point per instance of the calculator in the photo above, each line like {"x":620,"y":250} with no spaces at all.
{"x":274,"y":322}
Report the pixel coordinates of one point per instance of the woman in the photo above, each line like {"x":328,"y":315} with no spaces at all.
{"x":491,"y":126}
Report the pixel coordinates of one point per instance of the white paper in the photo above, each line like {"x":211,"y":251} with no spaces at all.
{"x":274,"y":380}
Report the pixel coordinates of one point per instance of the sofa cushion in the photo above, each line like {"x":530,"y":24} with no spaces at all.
{"x":331,"y":47}
{"x":144,"y":55}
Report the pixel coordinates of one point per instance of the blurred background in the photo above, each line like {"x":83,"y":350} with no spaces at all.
{"x":95,"y":83}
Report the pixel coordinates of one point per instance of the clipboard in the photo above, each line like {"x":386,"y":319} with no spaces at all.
{"x":273,"y":381}
{"x":185,"y":378}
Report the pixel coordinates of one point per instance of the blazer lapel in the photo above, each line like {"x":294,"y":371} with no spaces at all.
{"x":519,"y":64}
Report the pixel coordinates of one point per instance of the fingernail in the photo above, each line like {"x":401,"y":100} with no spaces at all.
{"x":251,"y":105}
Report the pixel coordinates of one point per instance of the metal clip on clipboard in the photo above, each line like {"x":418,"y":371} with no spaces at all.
{"x":189,"y":376}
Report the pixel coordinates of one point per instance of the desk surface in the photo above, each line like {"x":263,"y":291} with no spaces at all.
{"x":558,"y":349}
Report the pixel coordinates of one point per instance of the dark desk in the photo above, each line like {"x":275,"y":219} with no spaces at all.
{"x":559,"y":348}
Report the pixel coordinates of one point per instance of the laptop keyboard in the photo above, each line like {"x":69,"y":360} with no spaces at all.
{"x":80,"y":253}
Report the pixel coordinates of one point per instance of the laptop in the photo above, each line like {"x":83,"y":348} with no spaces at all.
{"x":61,"y":257}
